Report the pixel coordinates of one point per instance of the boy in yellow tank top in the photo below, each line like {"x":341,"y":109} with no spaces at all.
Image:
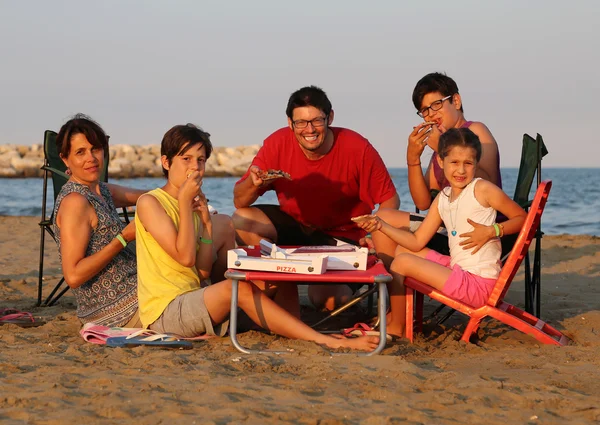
{"x":174,"y":232}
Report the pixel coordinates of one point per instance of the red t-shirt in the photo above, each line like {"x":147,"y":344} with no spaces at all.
{"x":323,"y":194}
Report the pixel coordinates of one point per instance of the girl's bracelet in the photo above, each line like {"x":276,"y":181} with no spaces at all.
{"x":206,"y":241}
{"x":499,"y":229}
{"x":414,"y":165}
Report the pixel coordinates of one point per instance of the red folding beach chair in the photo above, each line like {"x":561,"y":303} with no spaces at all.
{"x":495,"y":307}
{"x":375,"y":275}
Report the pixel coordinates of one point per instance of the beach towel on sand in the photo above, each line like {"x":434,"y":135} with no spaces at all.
{"x":98,"y":334}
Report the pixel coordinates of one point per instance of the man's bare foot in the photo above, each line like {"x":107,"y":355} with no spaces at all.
{"x":363,"y":343}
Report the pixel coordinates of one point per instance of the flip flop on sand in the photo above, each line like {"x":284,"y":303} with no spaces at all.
{"x":357,"y":329}
{"x":362,"y":329}
{"x":11,"y":316}
{"x":142,"y":338}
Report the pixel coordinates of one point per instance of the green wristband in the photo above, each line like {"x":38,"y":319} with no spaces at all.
{"x":121,"y":239}
{"x":206,"y":241}
{"x":497,"y":229}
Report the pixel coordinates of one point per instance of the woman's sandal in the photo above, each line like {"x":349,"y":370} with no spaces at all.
{"x":148,"y":337}
{"x":11,"y":316}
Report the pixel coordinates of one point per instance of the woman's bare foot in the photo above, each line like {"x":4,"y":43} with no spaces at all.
{"x":363,"y":343}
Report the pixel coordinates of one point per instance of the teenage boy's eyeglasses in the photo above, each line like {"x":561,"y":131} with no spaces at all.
{"x":435,"y":106}
{"x":316,"y":122}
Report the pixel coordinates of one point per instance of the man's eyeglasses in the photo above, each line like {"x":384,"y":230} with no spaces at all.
{"x":435,"y":106}
{"x":316,"y":122}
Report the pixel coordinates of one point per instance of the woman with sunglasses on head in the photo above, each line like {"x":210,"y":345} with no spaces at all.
{"x":439,"y":104}
{"x":90,"y":235}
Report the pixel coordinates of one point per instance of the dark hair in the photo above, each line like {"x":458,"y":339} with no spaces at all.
{"x":80,"y":124}
{"x":308,"y":96}
{"x":431,"y":83}
{"x":176,"y":138}
{"x":459,"y":137}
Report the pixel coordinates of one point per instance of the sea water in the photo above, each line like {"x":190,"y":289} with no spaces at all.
{"x":573,"y":206}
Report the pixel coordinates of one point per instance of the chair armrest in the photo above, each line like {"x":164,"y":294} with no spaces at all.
{"x":55,"y":171}
{"x":525,"y":205}
{"x":126,"y":215}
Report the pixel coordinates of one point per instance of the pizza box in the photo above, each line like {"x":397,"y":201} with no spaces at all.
{"x":239,"y":259}
{"x":341,"y":257}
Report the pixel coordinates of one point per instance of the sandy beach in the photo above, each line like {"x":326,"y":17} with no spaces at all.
{"x":49,"y":375}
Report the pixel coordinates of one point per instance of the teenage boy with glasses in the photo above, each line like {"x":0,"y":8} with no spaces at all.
{"x":439,"y":104}
{"x":335,"y":174}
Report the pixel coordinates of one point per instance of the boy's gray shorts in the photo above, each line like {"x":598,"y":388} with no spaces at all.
{"x":188,"y":317}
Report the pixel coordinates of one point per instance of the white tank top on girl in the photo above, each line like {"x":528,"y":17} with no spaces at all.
{"x":486,"y":262}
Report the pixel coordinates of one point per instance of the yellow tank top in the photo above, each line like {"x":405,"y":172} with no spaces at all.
{"x":160,"y":278}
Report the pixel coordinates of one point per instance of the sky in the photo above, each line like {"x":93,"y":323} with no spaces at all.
{"x":140,"y":67}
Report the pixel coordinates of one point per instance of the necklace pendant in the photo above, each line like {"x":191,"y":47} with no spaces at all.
{"x":453,"y":233}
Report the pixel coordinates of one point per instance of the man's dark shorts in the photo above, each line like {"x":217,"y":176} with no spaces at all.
{"x":291,"y":232}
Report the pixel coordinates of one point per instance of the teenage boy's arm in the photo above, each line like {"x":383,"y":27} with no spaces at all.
{"x":180,"y":245}
{"x":487,"y":167}
{"x":204,"y":256}
{"x":417,"y":182}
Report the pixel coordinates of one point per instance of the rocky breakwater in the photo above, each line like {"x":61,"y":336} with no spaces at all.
{"x":127,"y":161}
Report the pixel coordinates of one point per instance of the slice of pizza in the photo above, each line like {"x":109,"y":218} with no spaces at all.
{"x":271,"y":174}
{"x":363,"y":218}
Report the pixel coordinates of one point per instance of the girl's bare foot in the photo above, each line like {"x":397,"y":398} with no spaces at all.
{"x":363,"y":343}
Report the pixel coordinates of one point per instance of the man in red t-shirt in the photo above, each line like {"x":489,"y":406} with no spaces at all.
{"x":335,"y":174}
